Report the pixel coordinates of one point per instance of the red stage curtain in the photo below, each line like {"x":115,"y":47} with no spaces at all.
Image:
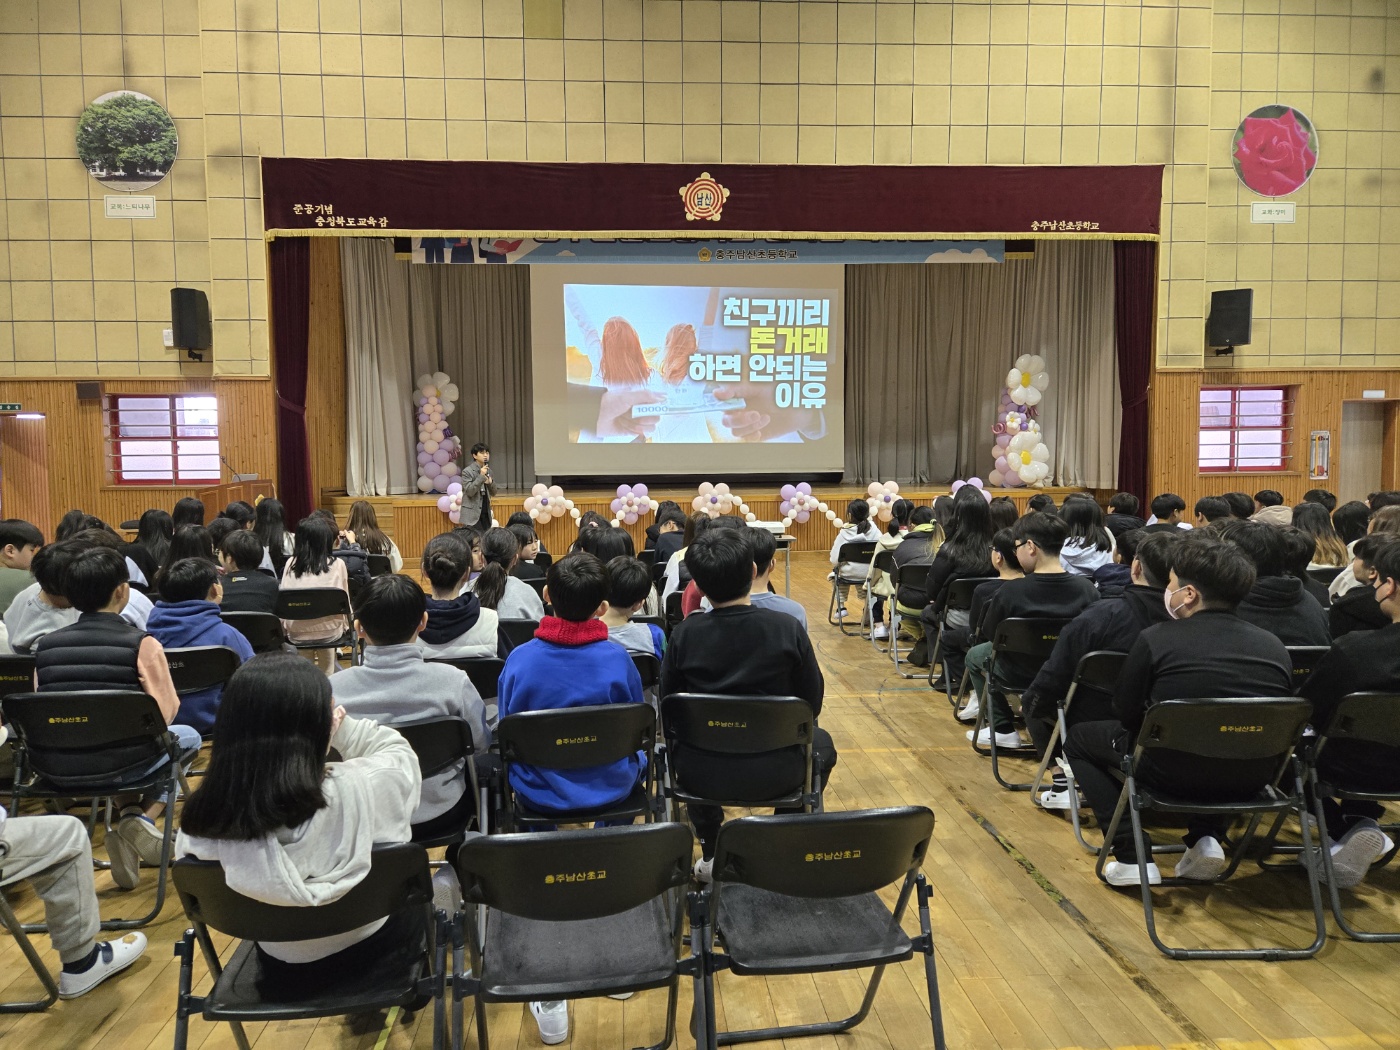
{"x":1134,"y":291}
{"x":289,"y":275}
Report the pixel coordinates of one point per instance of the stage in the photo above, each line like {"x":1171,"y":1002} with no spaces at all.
{"x":413,"y":520}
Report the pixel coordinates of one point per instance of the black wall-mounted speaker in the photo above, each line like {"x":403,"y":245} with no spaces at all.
{"x":189,"y":319}
{"x":1231,"y":311}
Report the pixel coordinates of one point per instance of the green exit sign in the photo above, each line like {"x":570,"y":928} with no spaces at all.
{"x":13,"y":406}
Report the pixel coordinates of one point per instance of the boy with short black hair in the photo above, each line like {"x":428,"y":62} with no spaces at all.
{"x":188,"y":615}
{"x":1209,"y":509}
{"x":1270,"y":509}
{"x":103,"y":651}
{"x":764,"y":547}
{"x":19,"y":542}
{"x":395,"y":684}
{"x":41,"y":607}
{"x":246,"y":587}
{"x":1321,"y":497}
{"x":1123,"y":514}
{"x":628,"y":587}
{"x":1166,"y":512}
{"x":1278,"y":602}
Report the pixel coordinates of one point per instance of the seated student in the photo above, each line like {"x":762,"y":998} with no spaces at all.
{"x":101,"y":650}
{"x":270,"y":528}
{"x":674,"y":575}
{"x":521,"y":517}
{"x":966,"y":554}
{"x":1323,"y":498}
{"x":1046,"y":590}
{"x":1297,"y":553}
{"x":525,"y":567}
{"x":893,"y":535}
{"x":187,"y":615}
{"x":312,"y":564}
{"x":189,"y":541}
{"x":692,"y":597}
{"x":958,"y":640}
{"x":1350,"y":521}
{"x":1241,"y":504}
{"x":395,"y":684}
{"x":1270,"y":508}
{"x":55,"y":856}
{"x":572,"y":663}
{"x":1357,"y":609}
{"x":1112,"y":579}
{"x":188,"y":511}
{"x":1206,"y":651}
{"x":41,"y":607}
{"x":1277,"y":602}
{"x":1329,"y":551}
{"x":858,"y":529}
{"x":1362,"y":661}
{"x":764,"y":547}
{"x":496,"y":588}
{"x":1384,"y":522}
{"x":76,"y":522}
{"x":740,"y":650}
{"x":1112,"y":624}
{"x":1166,"y":512}
{"x":363,"y":525}
{"x":1088,"y":543}
{"x":291,"y":828}
{"x":19,"y":542}
{"x":1041,"y":503}
{"x":246,"y":587}
{"x":240,"y":512}
{"x":669,"y":518}
{"x":1209,"y":509}
{"x":919,"y":547}
{"x":629,"y":583}
{"x":1123,"y":514}
{"x":344,"y":548}
{"x":458,"y":627}
{"x":154,"y":531}
{"x":219,"y":530}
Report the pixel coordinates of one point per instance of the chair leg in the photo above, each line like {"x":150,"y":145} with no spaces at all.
{"x":31,"y":955}
{"x":1334,"y":895}
{"x":935,"y":1001}
{"x":440,"y":979}
{"x":184,"y":950}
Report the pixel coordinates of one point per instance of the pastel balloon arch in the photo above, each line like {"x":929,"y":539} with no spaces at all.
{"x":438,"y":448}
{"x":631,"y":504}
{"x":714,"y":500}
{"x":547,"y":502}
{"x":1020,"y":454}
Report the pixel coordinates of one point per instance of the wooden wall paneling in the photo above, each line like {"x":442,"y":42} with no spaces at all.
{"x":326,"y":397}
{"x":24,"y":471}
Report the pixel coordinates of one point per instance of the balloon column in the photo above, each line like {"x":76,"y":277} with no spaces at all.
{"x":975,"y":483}
{"x":882,"y":499}
{"x":714,"y":500}
{"x":438,"y":447}
{"x":631,"y":503}
{"x":1021,"y":455}
{"x":546,"y":502}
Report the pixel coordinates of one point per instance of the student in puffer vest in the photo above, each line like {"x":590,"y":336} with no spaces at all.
{"x":104,"y":651}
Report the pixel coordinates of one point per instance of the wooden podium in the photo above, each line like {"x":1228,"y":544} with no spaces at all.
{"x":219,"y":497}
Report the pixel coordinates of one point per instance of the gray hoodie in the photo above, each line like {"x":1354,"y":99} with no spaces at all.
{"x":370,"y":797}
{"x":30,"y":617}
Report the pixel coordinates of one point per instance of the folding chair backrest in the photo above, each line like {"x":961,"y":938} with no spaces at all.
{"x":915,"y":576}
{"x":87,"y":735}
{"x":577,"y":737}
{"x":312,"y":603}
{"x":398,"y":876}
{"x":1100,"y":669}
{"x":16,"y":674}
{"x":537,"y":584}
{"x":200,"y":667}
{"x":1032,"y":637}
{"x":673,"y":608}
{"x":884,"y":561}
{"x":1305,"y":659}
{"x":855,"y":552}
{"x":562,"y":876}
{"x":1372,"y":717}
{"x":824,"y":854}
{"x":960,"y":591}
{"x":379,"y":564}
{"x":439,"y":743}
{"x":518,"y":632}
{"x":647,"y":558}
{"x":544,"y":559}
{"x":656,"y":621}
{"x":263,"y":630}
{"x":1238,"y":729}
{"x":737,"y":725}
{"x":649,"y":667}
{"x":1326,"y":575}
{"x":484,"y":671}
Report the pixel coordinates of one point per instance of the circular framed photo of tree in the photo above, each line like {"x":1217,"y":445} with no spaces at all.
{"x":1274,"y":150}
{"x":127,"y":141}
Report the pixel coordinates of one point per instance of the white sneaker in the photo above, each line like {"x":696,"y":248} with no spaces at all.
{"x":1119,"y":874}
{"x":880,"y":632}
{"x":984,"y":738}
{"x":1055,"y":799}
{"x":704,"y":871}
{"x":1203,"y":862}
{"x":112,"y":958}
{"x":447,"y":891}
{"x":841,"y":612}
{"x":126,"y":863}
{"x":143,"y":836}
{"x":969,"y":711}
{"x":553,"y":1019}
{"x":1355,"y":852}
{"x":621,"y":996}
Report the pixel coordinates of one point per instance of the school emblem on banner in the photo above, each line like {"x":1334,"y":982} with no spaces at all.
{"x":704,"y":198}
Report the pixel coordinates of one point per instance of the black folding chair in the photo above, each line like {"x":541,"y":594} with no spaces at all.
{"x":658,"y":621}
{"x":408,"y":974}
{"x":750,"y":728}
{"x":854,"y":552}
{"x":518,"y":632}
{"x":544,"y":559}
{"x":571,"y":915}
{"x":649,"y":667}
{"x":314,"y":603}
{"x":443,"y":744}
{"x":484,"y":671}
{"x":1246,"y":734}
{"x":1029,"y":638}
{"x":648,"y":558}
{"x":1325,"y":576}
{"x":1098,"y":671}
{"x":1372,"y":718}
{"x":16,"y":674}
{"x":1305,"y":659}
{"x":959,"y":600}
{"x":77,"y":745}
{"x":799,"y":894}
{"x":31,"y":955}
{"x":672,"y":611}
{"x":904,"y":576}
{"x":263,"y":630}
{"x":379,"y":565}
{"x":578,"y":738}
{"x":199,"y":667}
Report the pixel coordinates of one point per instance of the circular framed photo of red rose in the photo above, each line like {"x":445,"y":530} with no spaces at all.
{"x":1274,"y":150}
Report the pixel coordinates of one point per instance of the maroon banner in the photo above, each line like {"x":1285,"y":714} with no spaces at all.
{"x":499,"y":198}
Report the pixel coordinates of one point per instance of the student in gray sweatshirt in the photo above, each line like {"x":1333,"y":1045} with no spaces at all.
{"x":395,"y":684}
{"x":41,"y":609}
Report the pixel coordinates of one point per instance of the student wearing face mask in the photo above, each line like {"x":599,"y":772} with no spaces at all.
{"x":1205,"y":650}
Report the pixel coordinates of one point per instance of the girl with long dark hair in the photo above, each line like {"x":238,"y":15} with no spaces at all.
{"x":1090,"y":545}
{"x":1329,"y":552}
{"x":153,"y":534}
{"x":364,"y":526}
{"x":496,"y":588}
{"x":859,"y":528}
{"x":311,"y":565}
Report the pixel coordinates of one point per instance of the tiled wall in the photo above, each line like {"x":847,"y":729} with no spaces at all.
{"x":783,"y":81}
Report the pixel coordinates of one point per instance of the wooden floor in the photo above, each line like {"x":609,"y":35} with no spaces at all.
{"x":1033,"y":952}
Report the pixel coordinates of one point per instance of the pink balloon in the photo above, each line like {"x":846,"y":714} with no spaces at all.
{"x":976,"y":483}
{"x":787,"y":492}
{"x":1003,"y":440}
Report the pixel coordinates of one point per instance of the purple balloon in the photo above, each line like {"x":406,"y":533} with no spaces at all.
{"x":616,"y":505}
{"x":544,"y":501}
{"x":803,"y":515}
{"x":423,"y":457}
{"x":444,"y":503}
{"x":784,"y":507}
{"x":631,"y":519}
{"x":640,"y":491}
{"x":420,"y":446}
{"x":1003,"y":440}
{"x":1001,"y":464}
{"x":431,"y":469}
{"x":454,"y":488}
{"x":804,"y":488}
{"x":623,"y":490}
{"x":714,"y":499}
{"x":787,"y":492}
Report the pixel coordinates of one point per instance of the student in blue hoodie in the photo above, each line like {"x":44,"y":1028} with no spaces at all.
{"x":188,"y":615}
{"x":571,"y":662}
